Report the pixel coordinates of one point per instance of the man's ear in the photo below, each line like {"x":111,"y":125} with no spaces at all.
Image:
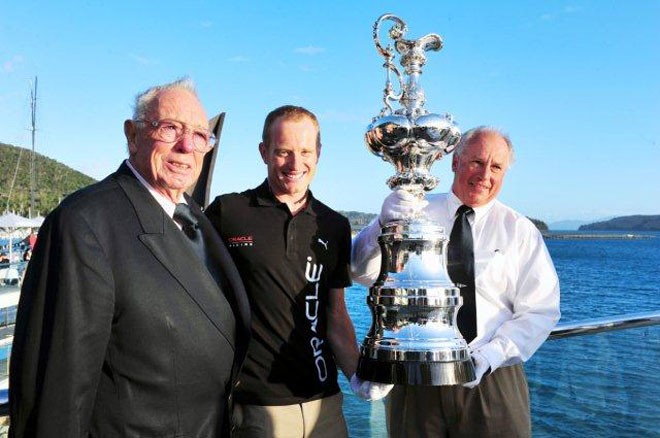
{"x":263,"y":152}
{"x":131,"y":133}
{"x":454,"y":163}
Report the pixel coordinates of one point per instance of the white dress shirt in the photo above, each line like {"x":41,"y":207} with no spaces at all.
{"x":164,"y":202}
{"x":516,"y":285}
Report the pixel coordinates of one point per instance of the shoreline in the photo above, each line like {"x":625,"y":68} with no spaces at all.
{"x":626,"y":236}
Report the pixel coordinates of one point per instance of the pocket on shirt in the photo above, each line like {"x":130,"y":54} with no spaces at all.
{"x":490,"y":271}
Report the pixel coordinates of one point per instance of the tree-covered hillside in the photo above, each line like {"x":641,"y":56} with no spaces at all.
{"x":358,"y":220}
{"x":53,"y":181}
{"x":627,"y":223}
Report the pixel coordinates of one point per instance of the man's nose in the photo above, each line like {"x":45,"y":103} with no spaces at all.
{"x":485,"y":172}
{"x":294,"y":159}
{"x":186,"y":143}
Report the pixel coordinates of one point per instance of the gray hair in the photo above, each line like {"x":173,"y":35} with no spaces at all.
{"x":473,"y":133}
{"x":143,"y":100}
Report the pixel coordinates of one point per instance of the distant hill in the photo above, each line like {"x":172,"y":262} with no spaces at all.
{"x":542,"y":226}
{"x":357,"y":219}
{"x":626,"y":223}
{"x":53,"y":181}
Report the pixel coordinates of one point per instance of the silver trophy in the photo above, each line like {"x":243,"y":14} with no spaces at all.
{"x":413,"y":339}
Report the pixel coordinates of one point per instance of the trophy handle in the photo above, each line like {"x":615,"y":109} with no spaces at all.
{"x":395,"y":33}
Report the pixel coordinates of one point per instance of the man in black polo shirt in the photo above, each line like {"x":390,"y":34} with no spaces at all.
{"x":293,"y":253}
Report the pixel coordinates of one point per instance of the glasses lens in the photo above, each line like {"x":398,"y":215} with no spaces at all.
{"x":169,"y":131}
{"x":203,"y":142}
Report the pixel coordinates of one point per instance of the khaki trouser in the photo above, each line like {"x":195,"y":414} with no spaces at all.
{"x":497,"y":407}
{"x":315,"y":419}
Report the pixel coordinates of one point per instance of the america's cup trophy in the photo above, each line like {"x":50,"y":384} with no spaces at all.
{"x":413,"y":339}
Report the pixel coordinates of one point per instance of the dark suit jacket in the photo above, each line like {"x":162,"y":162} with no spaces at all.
{"x":121,"y":330}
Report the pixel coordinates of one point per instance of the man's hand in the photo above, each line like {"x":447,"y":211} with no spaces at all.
{"x":369,"y":391}
{"x":400,"y":204}
{"x":481,"y":365}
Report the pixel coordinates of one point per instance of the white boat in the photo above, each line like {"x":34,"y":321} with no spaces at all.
{"x":9,"y":296}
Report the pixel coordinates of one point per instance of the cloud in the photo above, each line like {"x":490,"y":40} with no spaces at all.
{"x":143,"y":60}
{"x":310,"y":50}
{"x":10,"y":66}
{"x":239,"y":58}
{"x":566,"y":10}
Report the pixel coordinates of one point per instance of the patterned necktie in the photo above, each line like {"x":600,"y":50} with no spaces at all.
{"x":184,"y":217}
{"x":461,"y":271}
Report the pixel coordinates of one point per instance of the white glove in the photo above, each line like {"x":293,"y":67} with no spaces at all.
{"x":400,"y":204}
{"x":369,"y":391}
{"x":481,"y":365}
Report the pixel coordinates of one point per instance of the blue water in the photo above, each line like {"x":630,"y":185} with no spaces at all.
{"x":604,"y":385}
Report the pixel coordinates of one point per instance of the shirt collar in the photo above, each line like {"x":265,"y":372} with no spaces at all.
{"x":264,"y":197}
{"x":479,"y":212}
{"x":164,"y":202}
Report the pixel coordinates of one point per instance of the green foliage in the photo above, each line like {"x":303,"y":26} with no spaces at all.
{"x":53,"y":181}
{"x":542,"y":226}
{"x":357,"y":219}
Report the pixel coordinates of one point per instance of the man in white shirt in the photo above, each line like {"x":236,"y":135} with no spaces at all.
{"x":516,"y":296}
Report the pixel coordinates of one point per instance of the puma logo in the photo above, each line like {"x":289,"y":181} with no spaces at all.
{"x":325,"y":244}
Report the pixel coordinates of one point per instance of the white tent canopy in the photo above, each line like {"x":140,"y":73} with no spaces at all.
{"x":13,"y":221}
{"x":37,"y":221}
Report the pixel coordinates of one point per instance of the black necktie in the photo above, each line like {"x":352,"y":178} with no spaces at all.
{"x":461,"y":271}
{"x":184,"y":217}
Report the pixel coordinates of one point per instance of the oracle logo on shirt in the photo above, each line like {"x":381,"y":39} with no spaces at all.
{"x":236,"y":241}
{"x":313,"y":276}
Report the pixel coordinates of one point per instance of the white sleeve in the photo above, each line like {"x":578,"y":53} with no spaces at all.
{"x":535,"y":309}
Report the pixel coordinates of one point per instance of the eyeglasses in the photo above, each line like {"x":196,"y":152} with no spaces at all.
{"x":171,"y":131}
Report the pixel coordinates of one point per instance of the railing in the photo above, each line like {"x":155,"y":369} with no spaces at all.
{"x":599,"y":325}
{"x":600,"y":383}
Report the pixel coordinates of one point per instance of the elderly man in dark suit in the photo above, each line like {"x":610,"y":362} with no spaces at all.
{"x":124,"y":328}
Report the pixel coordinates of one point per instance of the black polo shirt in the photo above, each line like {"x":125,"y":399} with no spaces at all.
{"x":288,"y":264}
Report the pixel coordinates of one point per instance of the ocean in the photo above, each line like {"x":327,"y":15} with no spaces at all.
{"x":603,"y":385}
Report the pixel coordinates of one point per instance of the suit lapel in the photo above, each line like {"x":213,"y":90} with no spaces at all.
{"x":168,"y":245}
{"x":230,"y":278}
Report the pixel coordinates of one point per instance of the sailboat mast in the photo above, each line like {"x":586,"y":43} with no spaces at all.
{"x":33,"y":102}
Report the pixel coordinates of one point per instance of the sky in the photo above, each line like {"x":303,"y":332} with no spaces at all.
{"x":575,"y":84}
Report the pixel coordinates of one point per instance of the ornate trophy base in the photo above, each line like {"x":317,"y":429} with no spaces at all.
{"x":416,"y":373}
{"x":422,"y":362}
